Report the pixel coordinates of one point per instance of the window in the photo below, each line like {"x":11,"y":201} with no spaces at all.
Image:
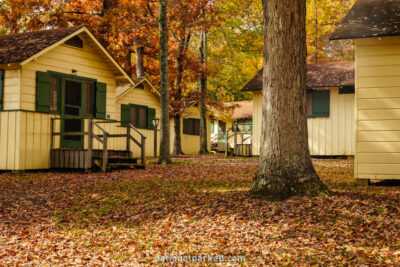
{"x":318,"y":103}
{"x":244,"y":125}
{"x":139,"y":116}
{"x":89,"y":98}
{"x":191,"y":126}
{"x":70,"y":95}
{"x":75,"y":42}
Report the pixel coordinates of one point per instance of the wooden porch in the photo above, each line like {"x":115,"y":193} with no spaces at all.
{"x":88,"y":158}
{"x":239,"y":147}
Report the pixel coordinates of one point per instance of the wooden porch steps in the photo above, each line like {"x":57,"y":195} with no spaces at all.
{"x":77,"y":159}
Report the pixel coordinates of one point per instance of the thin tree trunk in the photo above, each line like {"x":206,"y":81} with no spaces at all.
{"x":203,"y":91}
{"x":178,"y":95}
{"x":139,"y":51}
{"x":165,"y":156}
{"x":285,"y":166}
{"x":178,"y":138}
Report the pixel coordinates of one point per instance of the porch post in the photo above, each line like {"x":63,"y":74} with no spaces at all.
{"x":51,"y":142}
{"x":143,"y":155}
{"x":105,"y":152}
{"x":89,"y":153}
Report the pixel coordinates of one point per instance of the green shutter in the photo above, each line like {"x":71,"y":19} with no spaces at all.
{"x":321,"y":103}
{"x":186,"y":125}
{"x":212,"y":127}
{"x":42,"y":91}
{"x":250,"y":125}
{"x":151,"y":115}
{"x":1,"y":88}
{"x":101,"y":91}
{"x":125,"y":114}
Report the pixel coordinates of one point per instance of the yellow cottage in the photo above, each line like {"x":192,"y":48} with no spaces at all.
{"x":143,"y":96}
{"x":330,"y":108}
{"x":58,"y":108}
{"x":375,"y":26}
{"x":190,"y":130}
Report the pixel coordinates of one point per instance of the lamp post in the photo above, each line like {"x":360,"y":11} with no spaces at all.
{"x":155,"y":124}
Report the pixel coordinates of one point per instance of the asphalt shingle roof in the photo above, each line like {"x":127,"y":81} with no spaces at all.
{"x":15,"y":48}
{"x":370,"y":18}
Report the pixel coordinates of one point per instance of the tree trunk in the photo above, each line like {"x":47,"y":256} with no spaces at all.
{"x":178,"y":138}
{"x":139,"y":51}
{"x":165,"y":156}
{"x":178,"y":96}
{"x":203,"y":91}
{"x":285,"y":166}
{"x":128,"y":59}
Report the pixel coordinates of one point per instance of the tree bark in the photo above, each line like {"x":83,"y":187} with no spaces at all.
{"x":285,"y":166}
{"x":165,"y":156}
{"x":139,"y":51}
{"x":203,"y":91}
{"x":178,"y":96}
{"x":178,"y":138}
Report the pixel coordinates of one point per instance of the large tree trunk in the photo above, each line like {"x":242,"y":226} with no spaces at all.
{"x":203,"y":89}
{"x":165,"y":156}
{"x":285,"y":166}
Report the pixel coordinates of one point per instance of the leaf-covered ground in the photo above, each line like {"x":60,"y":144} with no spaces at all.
{"x":196,"y":206}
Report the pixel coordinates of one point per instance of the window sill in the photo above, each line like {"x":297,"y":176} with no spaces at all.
{"x":317,"y":116}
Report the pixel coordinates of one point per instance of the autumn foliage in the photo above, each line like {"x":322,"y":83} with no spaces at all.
{"x":199,"y":205}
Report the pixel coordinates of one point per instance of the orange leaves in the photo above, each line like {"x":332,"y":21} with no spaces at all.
{"x":197,"y":206}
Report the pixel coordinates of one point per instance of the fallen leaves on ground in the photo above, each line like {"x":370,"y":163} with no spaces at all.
{"x":196,"y":206}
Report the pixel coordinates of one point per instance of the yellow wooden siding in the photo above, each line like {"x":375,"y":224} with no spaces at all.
{"x":9,"y":140}
{"x":146,"y":98}
{"x":190,"y":143}
{"x":378,"y":108}
{"x":334,"y":135}
{"x":331,"y":136}
{"x":11,"y":89}
{"x":257,"y":121}
{"x":88,"y":63}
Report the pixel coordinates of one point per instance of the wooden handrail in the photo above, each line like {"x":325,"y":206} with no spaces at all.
{"x":101,"y":138}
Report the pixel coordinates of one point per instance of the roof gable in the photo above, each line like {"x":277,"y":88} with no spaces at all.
{"x":23,"y":48}
{"x":370,"y":18}
{"x":137,"y":83}
{"x":15,"y":48}
{"x":326,"y":74}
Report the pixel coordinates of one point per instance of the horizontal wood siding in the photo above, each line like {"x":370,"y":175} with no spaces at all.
{"x":142,"y":97}
{"x":190,"y":143}
{"x":330,"y":136}
{"x":378,"y":108}
{"x":87,"y":61}
{"x":11,"y":89}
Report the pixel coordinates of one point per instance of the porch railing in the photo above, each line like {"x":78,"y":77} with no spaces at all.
{"x":103,"y":139}
{"x":235,"y":134}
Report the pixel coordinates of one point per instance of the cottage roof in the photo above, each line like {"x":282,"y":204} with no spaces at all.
{"x":370,"y":18}
{"x":15,"y":48}
{"x":241,"y":110}
{"x":23,"y":48}
{"x":325,"y":74}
